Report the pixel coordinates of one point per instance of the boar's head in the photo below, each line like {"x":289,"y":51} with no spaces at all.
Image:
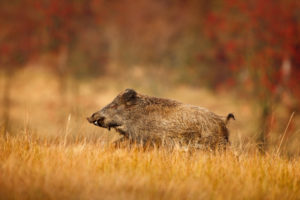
{"x":119,"y":113}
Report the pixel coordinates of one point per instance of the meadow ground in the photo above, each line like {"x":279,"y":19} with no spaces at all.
{"x":51,"y":152}
{"x":35,"y":169}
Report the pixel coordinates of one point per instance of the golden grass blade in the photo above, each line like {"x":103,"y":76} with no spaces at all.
{"x":285,"y":131}
{"x":67,"y":129}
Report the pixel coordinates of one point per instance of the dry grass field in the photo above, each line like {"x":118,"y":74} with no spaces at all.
{"x":51,"y":152}
{"x":33,"y":169}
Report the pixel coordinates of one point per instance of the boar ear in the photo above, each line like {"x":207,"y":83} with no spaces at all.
{"x":129,"y":94}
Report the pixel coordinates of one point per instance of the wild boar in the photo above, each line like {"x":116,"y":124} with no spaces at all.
{"x":146,"y":119}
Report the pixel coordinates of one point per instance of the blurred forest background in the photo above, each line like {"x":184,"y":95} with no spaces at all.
{"x":61,"y":60}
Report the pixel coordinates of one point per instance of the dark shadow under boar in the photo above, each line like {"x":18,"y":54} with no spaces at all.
{"x":151,"y":120}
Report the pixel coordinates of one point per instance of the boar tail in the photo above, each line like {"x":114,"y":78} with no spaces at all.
{"x":229,"y":116}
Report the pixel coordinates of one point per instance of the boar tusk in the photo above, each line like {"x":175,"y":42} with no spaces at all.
{"x":96,"y":123}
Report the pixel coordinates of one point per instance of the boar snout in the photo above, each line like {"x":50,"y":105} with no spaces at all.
{"x":97,"y":120}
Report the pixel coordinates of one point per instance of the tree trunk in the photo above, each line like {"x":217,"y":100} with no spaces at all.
{"x":62,"y":73}
{"x":62,"y":58}
{"x":6,"y":100}
{"x":262,"y":139}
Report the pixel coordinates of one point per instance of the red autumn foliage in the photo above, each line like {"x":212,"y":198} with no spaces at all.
{"x":257,"y":37}
{"x":261,"y":37}
{"x":17,"y":36}
{"x":61,"y":20}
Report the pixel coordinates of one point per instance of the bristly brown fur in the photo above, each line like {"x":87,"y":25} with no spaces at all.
{"x":142,"y":118}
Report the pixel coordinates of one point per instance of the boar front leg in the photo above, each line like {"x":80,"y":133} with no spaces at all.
{"x":118,"y":143}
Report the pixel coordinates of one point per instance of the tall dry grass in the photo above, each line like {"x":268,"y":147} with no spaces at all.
{"x":51,"y":152}
{"x":41,"y":169}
